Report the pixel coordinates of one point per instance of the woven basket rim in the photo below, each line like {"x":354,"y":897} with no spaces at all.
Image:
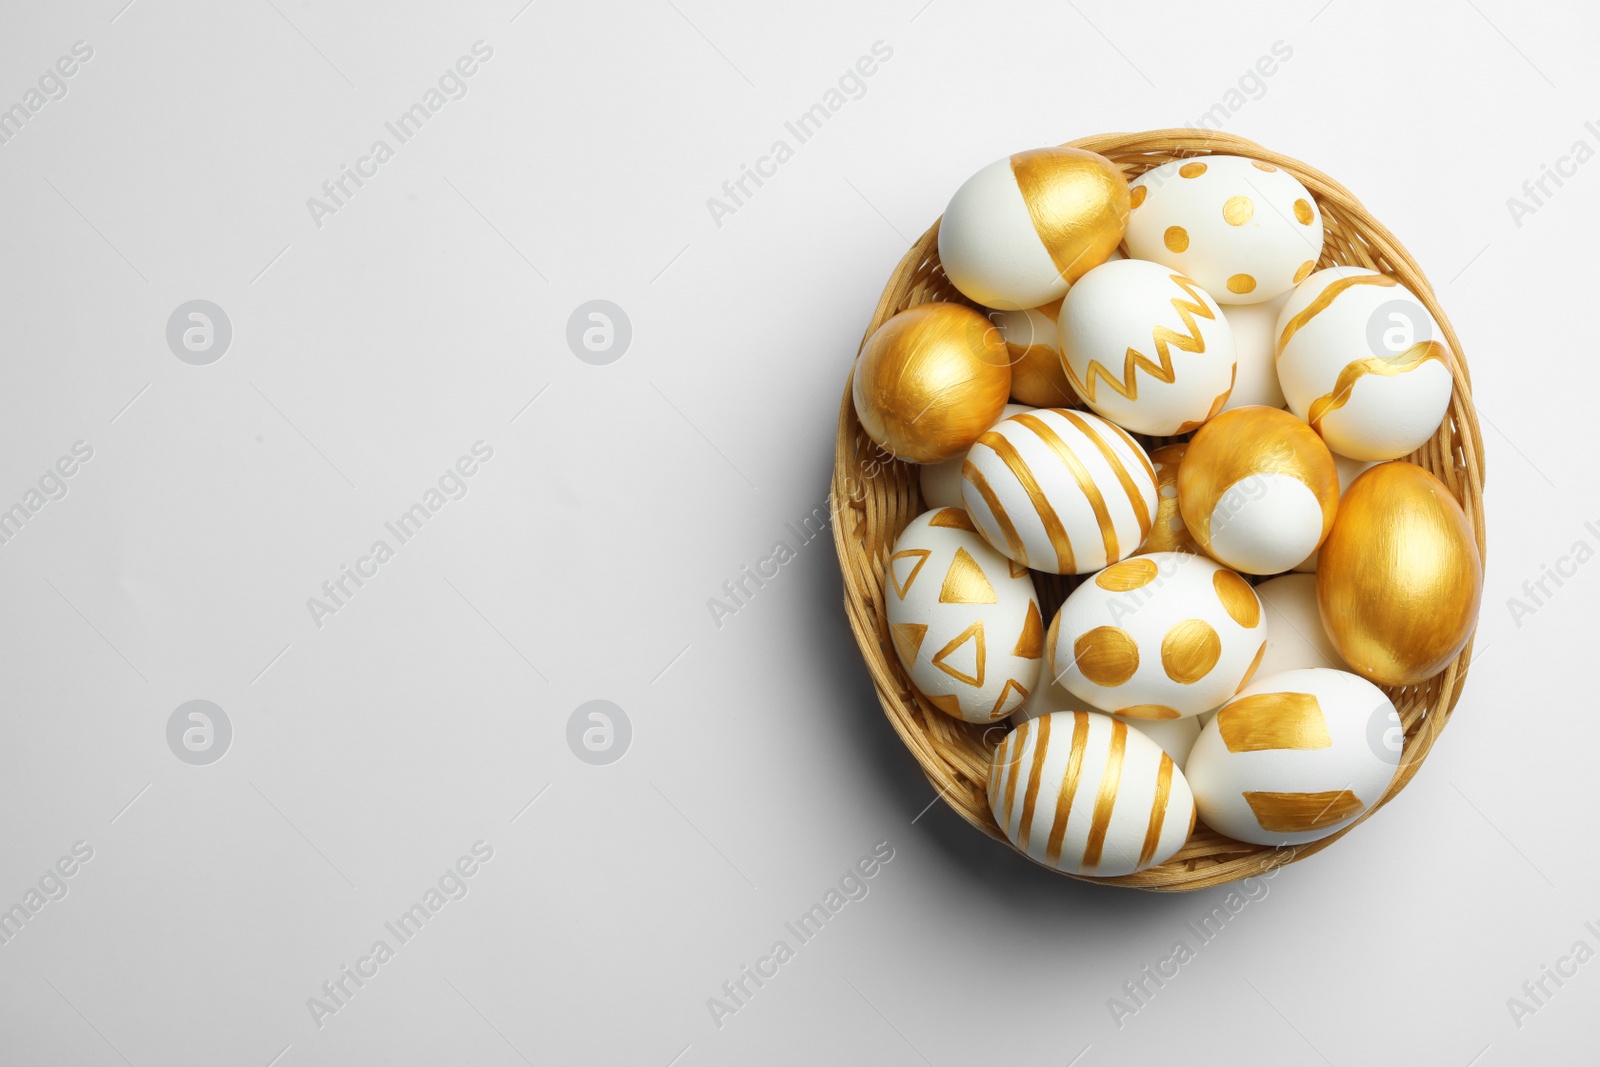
{"x":871,"y":502}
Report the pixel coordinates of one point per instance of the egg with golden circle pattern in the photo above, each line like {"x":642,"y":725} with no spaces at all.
{"x":1088,"y":794}
{"x":941,"y":482}
{"x":1162,"y":636}
{"x":1255,"y":348}
{"x":1059,"y":490}
{"x":1168,"y":533}
{"x":1295,"y":757}
{"x":1296,"y":639}
{"x":1024,"y":228}
{"x":1258,"y":489}
{"x":1349,"y":470}
{"x":1037,"y":378}
{"x":964,"y":620}
{"x":1361,"y":359}
{"x":1146,"y":347}
{"x":1245,"y":230}
{"x":930,"y":380}
{"x":1400,"y":579}
{"x":1175,"y":736}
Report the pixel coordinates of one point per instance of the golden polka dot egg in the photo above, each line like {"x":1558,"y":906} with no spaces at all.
{"x":1146,"y":347}
{"x":1161,"y":636}
{"x":1060,"y":491}
{"x":1021,"y":230}
{"x":1245,"y":230}
{"x":1361,"y":359}
{"x":1295,"y":757}
{"x":964,"y":620}
{"x":1088,"y":794}
{"x":1258,"y":489}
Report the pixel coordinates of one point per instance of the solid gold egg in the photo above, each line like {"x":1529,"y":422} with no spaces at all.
{"x":1400,"y":578}
{"x":930,"y":381}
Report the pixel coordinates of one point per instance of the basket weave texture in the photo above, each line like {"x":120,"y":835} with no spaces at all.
{"x":874,"y":496}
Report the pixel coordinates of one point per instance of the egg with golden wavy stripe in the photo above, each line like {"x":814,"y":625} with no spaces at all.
{"x":1258,"y":489}
{"x":1295,"y":757}
{"x":1024,"y":228}
{"x":1162,"y":636}
{"x":1361,"y":359}
{"x":963,"y":619}
{"x":1246,"y":230}
{"x":1060,"y":491}
{"x":931,"y":380}
{"x":1400,"y":578}
{"x":1168,"y":533}
{"x":1088,"y":794}
{"x":1146,"y":347}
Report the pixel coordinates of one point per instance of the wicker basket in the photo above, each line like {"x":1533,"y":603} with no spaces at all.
{"x":874,"y":497}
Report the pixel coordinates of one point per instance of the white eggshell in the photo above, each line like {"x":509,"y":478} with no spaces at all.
{"x":941,"y":482}
{"x":1296,"y":639}
{"x":1266,"y":522}
{"x":989,"y":247}
{"x":1060,"y":491}
{"x":1295,"y":757}
{"x":1157,"y":637}
{"x":1362,"y":360}
{"x":1255,"y":347}
{"x":964,"y":620}
{"x":1245,"y":230}
{"x":1349,"y":470}
{"x":1087,"y":794}
{"x":1146,"y":347}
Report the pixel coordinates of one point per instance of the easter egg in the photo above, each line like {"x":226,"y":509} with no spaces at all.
{"x":1146,"y":347}
{"x":1087,"y":794}
{"x":1175,"y":736}
{"x":941,"y":482}
{"x":1168,"y":533}
{"x":1037,"y":378}
{"x":1059,"y":490}
{"x":1245,"y":230}
{"x":1362,"y":360}
{"x":1296,"y":639}
{"x":1157,"y":637}
{"x":1255,"y":348}
{"x":1258,"y":489}
{"x":1024,"y":228}
{"x":1400,"y":578}
{"x":931,"y":380}
{"x":1295,"y":757}
{"x":1349,"y":470}
{"x":964,"y":620}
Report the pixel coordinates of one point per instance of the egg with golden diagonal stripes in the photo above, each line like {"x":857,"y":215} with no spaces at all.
{"x":964,"y":620}
{"x":1162,"y":636}
{"x":941,"y":482}
{"x":1258,"y":489}
{"x":1362,"y":360}
{"x":1087,"y":794}
{"x":1295,"y":757}
{"x":1401,"y":578}
{"x":1168,"y":533}
{"x":1175,"y":736}
{"x":1246,"y":230}
{"x":1059,"y":490}
{"x":1024,"y":228}
{"x":1146,"y":347}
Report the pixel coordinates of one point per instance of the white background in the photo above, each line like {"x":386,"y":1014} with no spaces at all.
{"x":370,"y":352}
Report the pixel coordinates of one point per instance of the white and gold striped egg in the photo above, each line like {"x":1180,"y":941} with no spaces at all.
{"x":1146,"y":347}
{"x":1087,"y":794}
{"x":1361,"y":359}
{"x":1175,"y":736}
{"x":964,"y":620}
{"x":1246,"y":230}
{"x":1059,"y":490}
{"x":1161,"y":636}
{"x":1024,"y":228}
{"x":1295,"y":757}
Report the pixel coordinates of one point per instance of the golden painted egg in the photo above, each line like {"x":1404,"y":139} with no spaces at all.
{"x":1168,"y":533}
{"x":1400,"y":577}
{"x":1258,"y":489}
{"x":1037,"y":377}
{"x":930,"y":381}
{"x":1024,"y":228}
